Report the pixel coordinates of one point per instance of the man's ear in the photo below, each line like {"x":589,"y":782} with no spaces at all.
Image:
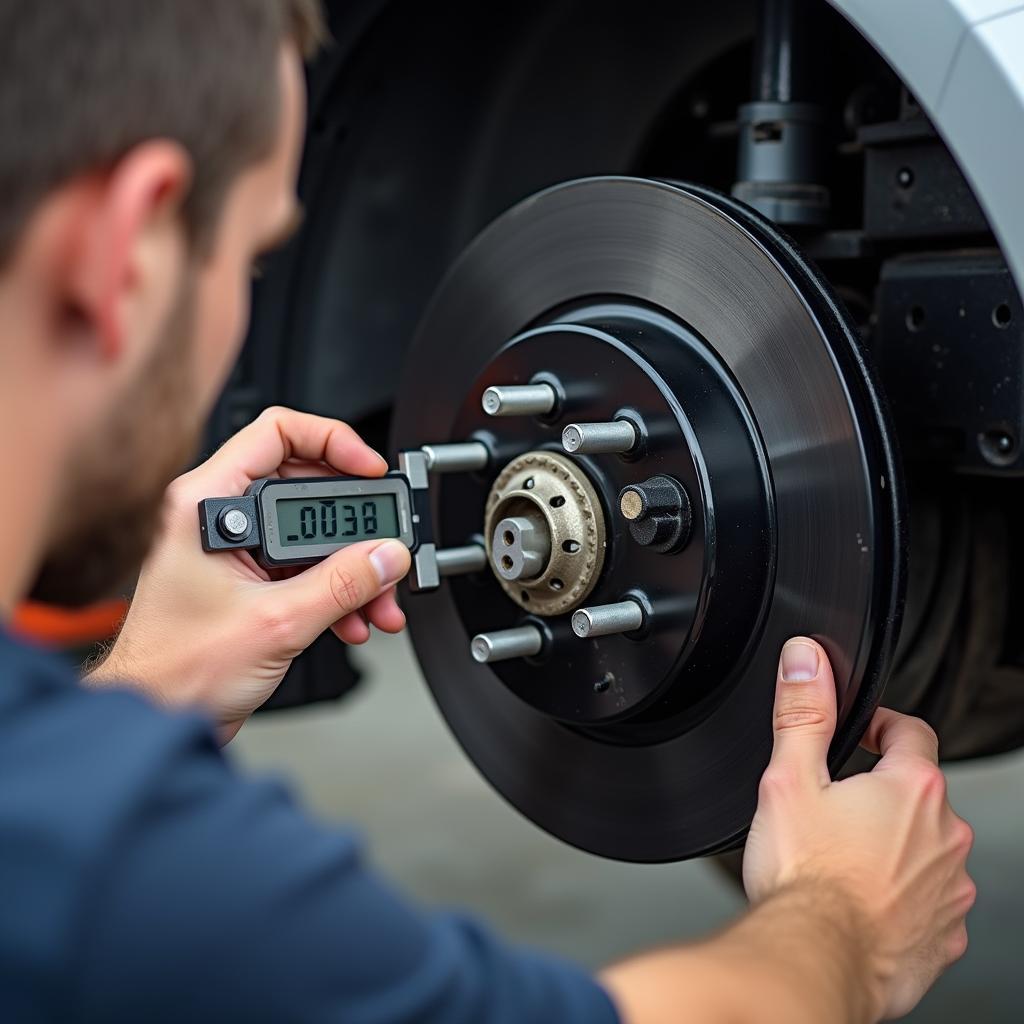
{"x":130,"y":237}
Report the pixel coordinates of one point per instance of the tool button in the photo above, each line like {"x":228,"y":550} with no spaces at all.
{"x":233,"y":523}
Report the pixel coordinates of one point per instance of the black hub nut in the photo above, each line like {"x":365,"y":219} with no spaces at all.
{"x":658,"y":513}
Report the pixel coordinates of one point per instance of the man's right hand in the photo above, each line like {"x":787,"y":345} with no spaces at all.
{"x":887,"y":841}
{"x":860,"y":888}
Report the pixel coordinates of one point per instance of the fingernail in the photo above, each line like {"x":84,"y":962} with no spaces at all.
{"x":379,"y":456}
{"x":799,"y":661}
{"x":390,"y":562}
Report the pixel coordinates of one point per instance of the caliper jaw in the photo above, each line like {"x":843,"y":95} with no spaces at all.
{"x":414,"y":466}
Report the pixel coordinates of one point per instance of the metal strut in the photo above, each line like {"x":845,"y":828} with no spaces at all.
{"x":782,"y":133}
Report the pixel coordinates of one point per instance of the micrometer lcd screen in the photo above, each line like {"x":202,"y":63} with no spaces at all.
{"x":336,"y":520}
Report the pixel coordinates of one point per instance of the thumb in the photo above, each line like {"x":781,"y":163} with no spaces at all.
{"x":805,"y":710}
{"x":351,"y":578}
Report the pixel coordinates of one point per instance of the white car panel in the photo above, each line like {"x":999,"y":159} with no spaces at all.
{"x":982,"y":117}
{"x":964,"y":61}
{"x":978,"y":10}
{"x":919,"y":38}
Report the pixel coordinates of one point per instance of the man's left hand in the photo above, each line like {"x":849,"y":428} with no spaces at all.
{"x":218,"y":631}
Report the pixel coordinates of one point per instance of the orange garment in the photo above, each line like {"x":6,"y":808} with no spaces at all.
{"x":62,"y":627}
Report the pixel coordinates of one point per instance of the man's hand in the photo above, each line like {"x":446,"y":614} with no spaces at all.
{"x":217,"y":630}
{"x":887,"y":842}
{"x":860,"y":888}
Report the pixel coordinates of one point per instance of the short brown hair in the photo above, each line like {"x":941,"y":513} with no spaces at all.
{"x":84,"y":81}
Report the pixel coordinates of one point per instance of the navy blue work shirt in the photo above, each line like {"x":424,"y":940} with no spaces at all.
{"x":142,"y":880}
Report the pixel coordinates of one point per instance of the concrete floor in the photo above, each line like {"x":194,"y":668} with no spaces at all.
{"x":385,"y":759}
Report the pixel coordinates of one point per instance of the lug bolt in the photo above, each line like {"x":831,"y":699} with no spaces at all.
{"x":519,"y":400}
{"x":505,"y":644}
{"x":460,"y":561}
{"x":616,"y":437}
{"x":607,"y":619}
{"x":462,"y":457}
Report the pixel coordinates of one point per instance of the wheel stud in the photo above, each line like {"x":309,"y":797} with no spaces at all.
{"x":505,"y":644}
{"x":615,"y":437}
{"x":460,"y":561}
{"x":520,"y":400}
{"x":608,"y":619}
{"x":462,"y":457}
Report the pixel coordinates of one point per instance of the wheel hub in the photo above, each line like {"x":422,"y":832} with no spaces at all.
{"x":635,"y":361}
{"x":546,"y":533}
{"x":747,"y":493}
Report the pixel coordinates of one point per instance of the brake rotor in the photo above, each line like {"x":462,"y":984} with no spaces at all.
{"x":688,"y":314}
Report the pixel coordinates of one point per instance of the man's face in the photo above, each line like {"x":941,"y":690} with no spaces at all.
{"x":117,"y":476}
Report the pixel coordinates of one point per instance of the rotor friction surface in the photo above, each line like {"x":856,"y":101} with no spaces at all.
{"x":711,"y":263}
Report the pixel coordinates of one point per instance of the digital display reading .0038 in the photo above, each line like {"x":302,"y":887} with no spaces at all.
{"x":314,"y":521}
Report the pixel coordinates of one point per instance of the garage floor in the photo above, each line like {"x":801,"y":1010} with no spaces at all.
{"x":385,"y":760}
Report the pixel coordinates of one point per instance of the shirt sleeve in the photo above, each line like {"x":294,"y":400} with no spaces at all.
{"x":219,"y":900}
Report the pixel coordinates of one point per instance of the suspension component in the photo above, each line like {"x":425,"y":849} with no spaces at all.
{"x":504,"y":644}
{"x":782,"y":137}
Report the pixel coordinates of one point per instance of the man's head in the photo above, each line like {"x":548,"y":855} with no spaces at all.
{"x":151,"y":155}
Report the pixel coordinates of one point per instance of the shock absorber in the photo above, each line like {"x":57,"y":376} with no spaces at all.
{"x":783,"y":132}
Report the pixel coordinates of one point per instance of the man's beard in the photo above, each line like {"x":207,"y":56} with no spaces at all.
{"x":110,"y":508}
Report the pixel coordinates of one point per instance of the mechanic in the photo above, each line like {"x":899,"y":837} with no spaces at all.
{"x":151,"y":155}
